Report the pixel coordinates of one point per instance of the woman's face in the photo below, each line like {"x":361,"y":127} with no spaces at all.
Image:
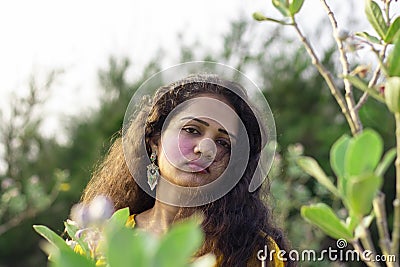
{"x":196,"y":141}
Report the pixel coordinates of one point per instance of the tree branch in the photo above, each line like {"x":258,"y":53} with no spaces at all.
{"x":345,"y":70}
{"x":381,"y":222}
{"x":357,"y":246}
{"x":327,"y":77}
{"x":396,"y":202}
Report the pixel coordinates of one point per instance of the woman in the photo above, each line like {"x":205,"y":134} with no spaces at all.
{"x":192,"y":128}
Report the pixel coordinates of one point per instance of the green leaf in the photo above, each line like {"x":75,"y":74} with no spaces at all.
{"x":323,"y":216}
{"x":52,"y":237}
{"x":295,"y":6}
{"x":392,"y":94}
{"x":385,"y":162}
{"x":375,"y":17}
{"x":364,"y":224}
{"x":68,"y":258}
{"x":125,"y":246}
{"x":179,"y":244}
{"x":361,"y":190}
{"x":310,"y":166}
{"x":368,"y":37}
{"x":337,"y":155}
{"x":119,"y":217}
{"x":352,"y":222}
{"x":394,"y":59}
{"x":71,"y":230}
{"x":282,"y":6}
{"x":363,"y":153}
{"x":363,"y":86}
{"x":260,"y":17}
{"x":128,"y":247}
{"x":338,"y":162}
{"x":393,"y":30}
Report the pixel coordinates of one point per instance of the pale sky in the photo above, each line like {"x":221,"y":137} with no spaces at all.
{"x":79,"y":36}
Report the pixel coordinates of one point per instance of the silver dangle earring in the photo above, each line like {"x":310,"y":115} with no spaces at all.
{"x":152,"y":171}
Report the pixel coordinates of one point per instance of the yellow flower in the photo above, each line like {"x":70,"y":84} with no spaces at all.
{"x":65,"y":187}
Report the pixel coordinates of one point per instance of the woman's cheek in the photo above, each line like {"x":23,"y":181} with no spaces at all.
{"x":178,"y":148}
{"x":186,"y":146}
{"x":222,"y":154}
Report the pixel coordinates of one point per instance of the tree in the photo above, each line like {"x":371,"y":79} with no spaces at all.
{"x":356,"y":161}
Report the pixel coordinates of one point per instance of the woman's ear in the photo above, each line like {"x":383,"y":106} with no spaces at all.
{"x":154,"y":143}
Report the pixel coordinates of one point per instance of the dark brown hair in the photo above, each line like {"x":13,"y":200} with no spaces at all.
{"x":233,"y":223}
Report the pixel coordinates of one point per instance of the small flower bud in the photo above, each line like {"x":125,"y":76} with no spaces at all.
{"x":100,"y":209}
{"x":7,"y":183}
{"x":298,"y":149}
{"x":80,"y":233}
{"x":381,"y":90}
{"x":259,"y":16}
{"x":361,"y":71}
{"x":79,"y":214}
{"x":71,"y":243}
{"x":34,"y":179}
{"x":14,"y":192}
{"x":343,"y":35}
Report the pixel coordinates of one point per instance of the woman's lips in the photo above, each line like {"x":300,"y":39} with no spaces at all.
{"x":198,"y":168}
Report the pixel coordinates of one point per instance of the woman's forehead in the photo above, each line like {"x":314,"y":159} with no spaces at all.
{"x":216,"y":96}
{"x":208,"y":109}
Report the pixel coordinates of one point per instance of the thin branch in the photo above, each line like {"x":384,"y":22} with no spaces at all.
{"x":345,"y":66}
{"x":366,"y":241}
{"x":361,"y":101}
{"x":357,"y":246}
{"x":31,"y":212}
{"x":381,"y":57}
{"x":387,"y":12}
{"x":381,"y":222}
{"x":371,"y":83}
{"x":327,"y":77}
{"x":396,"y":223}
{"x":396,"y":202}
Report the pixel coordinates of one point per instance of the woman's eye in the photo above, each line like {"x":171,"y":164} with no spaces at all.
{"x":224,"y":143}
{"x":191,"y":130}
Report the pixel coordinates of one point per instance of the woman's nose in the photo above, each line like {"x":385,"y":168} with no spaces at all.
{"x":207,"y":148}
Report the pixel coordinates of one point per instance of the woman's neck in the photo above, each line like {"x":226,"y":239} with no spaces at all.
{"x":158,"y":219}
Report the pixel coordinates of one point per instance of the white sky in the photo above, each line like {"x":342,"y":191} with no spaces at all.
{"x":79,"y":36}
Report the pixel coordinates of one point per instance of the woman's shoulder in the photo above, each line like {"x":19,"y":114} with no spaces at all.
{"x":273,"y":246}
{"x":268,"y":253}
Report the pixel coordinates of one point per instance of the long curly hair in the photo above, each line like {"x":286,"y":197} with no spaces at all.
{"x":233,"y":223}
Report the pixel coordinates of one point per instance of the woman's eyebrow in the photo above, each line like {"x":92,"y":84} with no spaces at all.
{"x":207,"y":124}
{"x":228,"y":134}
{"x":196,"y":119}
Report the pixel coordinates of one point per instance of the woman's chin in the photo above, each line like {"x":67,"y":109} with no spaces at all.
{"x":192,"y":179}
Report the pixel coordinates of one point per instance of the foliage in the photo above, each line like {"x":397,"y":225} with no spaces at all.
{"x":290,"y":188}
{"x":357,"y":161}
{"x":358,"y":180}
{"x":111,"y":243}
{"x":26,"y":189}
{"x":43,"y":169}
{"x":90,"y":134}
